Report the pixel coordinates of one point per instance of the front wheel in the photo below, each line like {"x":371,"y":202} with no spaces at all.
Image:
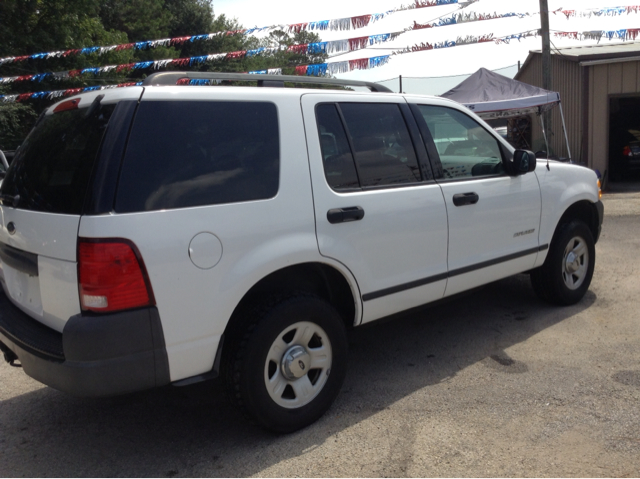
{"x":566,"y":274}
{"x":290,"y":365}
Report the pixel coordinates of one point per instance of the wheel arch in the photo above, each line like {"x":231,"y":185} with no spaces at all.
{"x":320,"y":279}
{"x":585,"y":211}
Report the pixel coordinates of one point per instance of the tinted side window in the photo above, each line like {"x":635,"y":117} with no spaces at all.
{"x":339,"y":168}
{"x":183,"y":154}
{"x":465,"y":148}
{"x":383,"y":150}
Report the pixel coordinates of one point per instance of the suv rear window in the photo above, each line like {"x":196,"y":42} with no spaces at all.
{"x":195,"y":153}
{"x":52,"y":168}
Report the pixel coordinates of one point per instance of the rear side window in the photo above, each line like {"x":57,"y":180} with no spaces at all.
{"x":52,"y":169}
{"x":339,"y":167}
{"x":195,"y":153}
{"x":378,"y":140}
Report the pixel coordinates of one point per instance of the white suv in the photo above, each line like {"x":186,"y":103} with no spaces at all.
{"x":166,"y":234}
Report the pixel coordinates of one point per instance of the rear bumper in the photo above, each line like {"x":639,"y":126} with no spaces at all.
{"x":101,"y":355}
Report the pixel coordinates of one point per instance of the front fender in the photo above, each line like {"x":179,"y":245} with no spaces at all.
{"x":562,"y":186}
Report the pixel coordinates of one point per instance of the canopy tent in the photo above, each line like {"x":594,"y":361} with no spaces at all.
{"x":492,"y":96}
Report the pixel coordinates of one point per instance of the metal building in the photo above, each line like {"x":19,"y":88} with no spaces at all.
{"x":599,"y":88}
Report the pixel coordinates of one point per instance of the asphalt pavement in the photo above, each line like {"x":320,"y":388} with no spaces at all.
{"x":495,"y":383}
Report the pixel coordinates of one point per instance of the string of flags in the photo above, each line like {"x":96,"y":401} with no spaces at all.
{"x":348,"y":45}
{"x":317,"y":69}
{"x":332,"y":68}
{"x":462,"y":17}
{"x":348,"y":23}
{"x":602,"y":12}
{"x":623,"y":34}
{"x":467,"y":18}
{"x":52,"y":95}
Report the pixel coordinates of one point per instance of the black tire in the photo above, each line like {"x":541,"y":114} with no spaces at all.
{"x":556,"y":281}
{"x":248,"y":369}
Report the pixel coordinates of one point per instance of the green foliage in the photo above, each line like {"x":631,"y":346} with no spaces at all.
{"x":189,"y":17}
{"x":139,"y":19}
{"x":16,"y":120}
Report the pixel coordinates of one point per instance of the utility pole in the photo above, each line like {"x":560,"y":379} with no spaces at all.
{"x":546,"y":62}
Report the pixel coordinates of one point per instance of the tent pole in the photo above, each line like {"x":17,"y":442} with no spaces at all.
{"x":564,"y":128}
{"x":544,"y":133}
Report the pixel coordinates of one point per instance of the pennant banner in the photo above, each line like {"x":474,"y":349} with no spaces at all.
{"x":338,"y":46}
{"x":602,"y":12}
{"x":467,"y":18}
{"x":52,"y":95}
{"x":348,"y":23}
{"x":624,"y":34}
{"x":318,"y":69}
{"x":321,"y":69}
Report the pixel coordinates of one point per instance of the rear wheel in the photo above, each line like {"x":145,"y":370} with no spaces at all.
{"x":288,"y":368}
{"x":566,"y":274}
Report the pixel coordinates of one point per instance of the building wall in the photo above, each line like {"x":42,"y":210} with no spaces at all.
{"x":605,"y":80}
{"x":566,"y":80}
{"x":569,"y":79}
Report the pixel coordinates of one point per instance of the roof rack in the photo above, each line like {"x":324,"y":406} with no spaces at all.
{"x":172,"y":78}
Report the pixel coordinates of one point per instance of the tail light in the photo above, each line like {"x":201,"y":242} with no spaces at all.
{"x":112,"y":276}
{"x":627,"y":151}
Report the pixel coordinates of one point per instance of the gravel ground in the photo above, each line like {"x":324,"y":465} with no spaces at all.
{"x":493,"y":384}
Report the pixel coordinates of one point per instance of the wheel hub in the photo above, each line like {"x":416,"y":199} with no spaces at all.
{"x":295,"y":362}
{"x":572,"y":263}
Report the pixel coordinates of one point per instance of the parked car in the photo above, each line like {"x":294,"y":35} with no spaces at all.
{"x":168,"y":234}
{"x":625,"y":155}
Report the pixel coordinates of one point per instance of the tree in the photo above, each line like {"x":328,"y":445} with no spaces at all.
{"x":139,"y":19}
{"x":16,"y":120}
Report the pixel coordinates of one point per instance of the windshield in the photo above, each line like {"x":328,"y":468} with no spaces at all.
{"x":52,"y":168}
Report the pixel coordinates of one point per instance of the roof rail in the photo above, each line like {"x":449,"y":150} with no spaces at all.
{"x":172,"y":78}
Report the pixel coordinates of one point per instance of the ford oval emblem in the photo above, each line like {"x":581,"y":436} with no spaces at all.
{"x":11,"y":228}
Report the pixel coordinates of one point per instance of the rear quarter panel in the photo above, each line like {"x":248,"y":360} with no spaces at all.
{"x":257,"y":238}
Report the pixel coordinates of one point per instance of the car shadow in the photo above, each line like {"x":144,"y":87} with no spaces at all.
{"x":196,"y":431}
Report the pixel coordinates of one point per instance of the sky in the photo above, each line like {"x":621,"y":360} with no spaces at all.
{"x":456,"y":61}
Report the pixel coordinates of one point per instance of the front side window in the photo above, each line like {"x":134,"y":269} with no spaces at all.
{"x":366,"y":145}
{"x":194,"y":153}
{"x":465,"y":148}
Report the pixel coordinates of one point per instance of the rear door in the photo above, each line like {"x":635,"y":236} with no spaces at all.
{"x":42,"y":199}
{"x":378,"y":210}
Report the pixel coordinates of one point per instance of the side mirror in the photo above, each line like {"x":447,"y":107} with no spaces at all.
{"x":524,"y":161}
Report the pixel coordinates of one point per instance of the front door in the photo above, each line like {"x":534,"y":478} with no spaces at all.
{"x":494,"y":218}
